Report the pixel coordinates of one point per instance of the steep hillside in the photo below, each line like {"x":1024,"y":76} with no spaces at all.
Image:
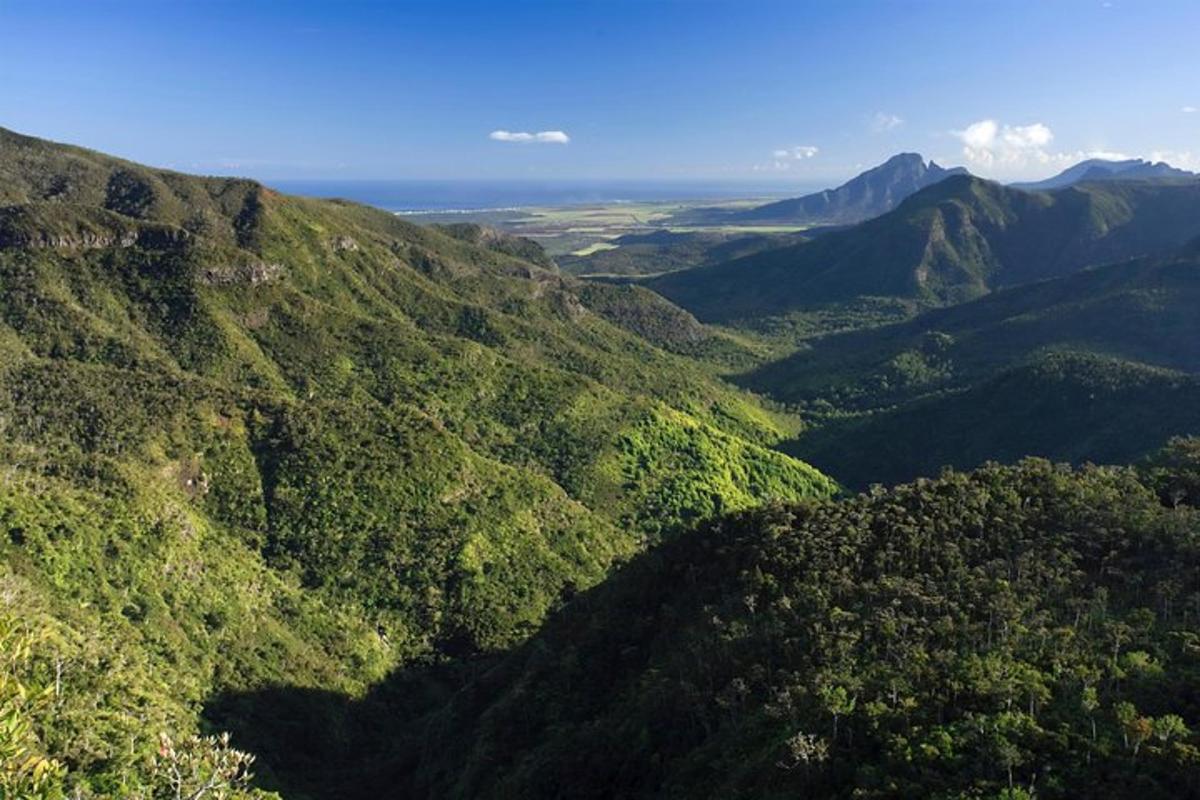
{"x":1139,"y":310}
{"x":951,"y":242}
{"x":397,"y":442}
{"x":1098,"y":365}
{"x":1063,"y":406}
{"x":874,"y":192}
{"x":1013,"y":633}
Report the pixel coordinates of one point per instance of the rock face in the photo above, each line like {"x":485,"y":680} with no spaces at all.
{"x":250,"y":274}
{"x":44,"y":226}
{"x":870,"y":194}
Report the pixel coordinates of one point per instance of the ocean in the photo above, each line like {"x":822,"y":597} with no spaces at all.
{"x":415,"y":196}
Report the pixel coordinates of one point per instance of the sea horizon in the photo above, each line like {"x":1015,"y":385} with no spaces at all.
{"x":417,"y":196}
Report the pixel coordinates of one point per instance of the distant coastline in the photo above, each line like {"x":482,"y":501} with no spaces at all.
{"x":414,"y":197}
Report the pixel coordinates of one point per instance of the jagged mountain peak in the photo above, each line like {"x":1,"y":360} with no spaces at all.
{"x":869,"y":194}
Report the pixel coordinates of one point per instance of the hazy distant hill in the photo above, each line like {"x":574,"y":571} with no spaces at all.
{"x":950,"y":242}
{"x":867,"y":195}
{"x":1098,"y":169}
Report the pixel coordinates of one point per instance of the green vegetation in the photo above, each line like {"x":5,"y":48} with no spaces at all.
{"x":411,"y":512}
{"x":644,"y":254}
{"x":1066,"y":406}
{"x":571,"y":233}
{"x":1013,"y":632}
{"x":1099,"y":365}
{"x":953,"y":241}
{"x":250,"y":440}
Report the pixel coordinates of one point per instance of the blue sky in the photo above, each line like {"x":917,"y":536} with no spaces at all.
{"x":804,"y":92}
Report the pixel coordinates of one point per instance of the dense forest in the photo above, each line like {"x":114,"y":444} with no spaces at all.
{"x":300,"y":500}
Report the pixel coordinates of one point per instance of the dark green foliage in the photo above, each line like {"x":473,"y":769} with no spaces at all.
{"x":303,"y":470}
{"x":1099,"y":365}
{"x":642,"y":312}
{"x":1069,"y":407}
{"x":1174,"y":471}
{"x":1026,"y":629}
{"x":1140,"y":310}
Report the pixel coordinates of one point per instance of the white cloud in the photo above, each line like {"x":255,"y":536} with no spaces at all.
{"x":1035,"y":136}
{"x":1184,"y":159}
{"x":542,"y":137}
{"x":785,"y":157}
{"x":883,"y":122}
{"x":798,"y":153}
{"x":996,"y":149}
{"x":1189,"y":109}
{"x":989,"y":145}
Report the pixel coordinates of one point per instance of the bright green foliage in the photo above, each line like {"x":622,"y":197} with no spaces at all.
{"x":1023,"y":631}
{"x":146,"y":607}
{"x":25,"y":772}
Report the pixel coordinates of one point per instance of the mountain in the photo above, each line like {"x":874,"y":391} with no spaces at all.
{"x":953,"y":241}
{"x":1022,"y":627}
{"x":874,"y":192}
{"x":1101,"y":365}
{"x":1099,"y":169}
{"x":252,"y":440}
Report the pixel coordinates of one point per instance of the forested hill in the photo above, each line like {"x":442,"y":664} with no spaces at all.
{"x":248,"y":439}
{"x":1015,"y":632}
{"x":950,"y":242}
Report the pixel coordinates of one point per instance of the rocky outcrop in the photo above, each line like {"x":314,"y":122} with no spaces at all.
{"x":248,"y":274}
{"x":21,"y":228}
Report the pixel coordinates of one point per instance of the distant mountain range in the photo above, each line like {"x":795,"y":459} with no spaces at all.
{"x":1098,"y":169}
{"x":950,"y":242}
{"x":874,"y":192}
